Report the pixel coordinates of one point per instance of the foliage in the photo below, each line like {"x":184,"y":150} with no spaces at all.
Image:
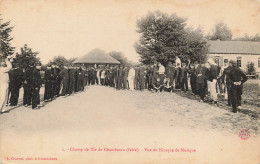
{"x":164,"y":37}
{"x":5,"y":46}
{"x":120,"y":57}
{"x":246,"y":37}
{"x":26,"y":57}
{"x":221,"y":32}
{"x":58,"y":60}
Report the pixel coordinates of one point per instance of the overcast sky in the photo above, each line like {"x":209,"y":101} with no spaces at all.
{"x":74,"y":27}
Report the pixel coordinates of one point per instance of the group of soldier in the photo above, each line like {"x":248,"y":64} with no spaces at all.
{"x":204,"y":78}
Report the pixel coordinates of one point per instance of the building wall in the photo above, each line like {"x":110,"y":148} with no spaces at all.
{"x":245,"y":59}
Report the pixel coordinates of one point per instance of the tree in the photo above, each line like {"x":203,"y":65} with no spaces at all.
{"x":120,"y":57}
{"x":221,"y":32}
{"x":246,"y":37}
{"x":164,"y":37}
{"x":5,"y":38}
{"x":58,"y":60}
{"x":26,"y":57}
{"x":197,"y":46}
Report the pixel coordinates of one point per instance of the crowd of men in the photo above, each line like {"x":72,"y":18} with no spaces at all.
{"x":63,"y":80}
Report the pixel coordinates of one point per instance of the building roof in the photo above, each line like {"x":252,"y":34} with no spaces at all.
{"x":234,"y":47}
{"x":97,"y":56}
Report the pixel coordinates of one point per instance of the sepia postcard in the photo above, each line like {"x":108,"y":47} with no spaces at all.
{"x":129,"y":81}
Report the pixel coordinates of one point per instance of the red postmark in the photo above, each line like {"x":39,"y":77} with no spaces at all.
{"x":244,"y":134}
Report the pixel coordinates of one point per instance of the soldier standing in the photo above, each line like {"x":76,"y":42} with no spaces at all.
{"x":48,"y":84}
{"x":36,"y":86}
{"x":226,"y":79}
{"x":16,"y":79}
{"x":64,"y":79}
{"x":237,"y":79}
{"x":27,"y":84}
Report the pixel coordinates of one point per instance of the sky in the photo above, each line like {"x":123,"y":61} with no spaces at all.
{"x":72,"y":28}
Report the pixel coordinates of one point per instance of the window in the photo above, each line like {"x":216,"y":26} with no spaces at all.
{"x":239,"y":63}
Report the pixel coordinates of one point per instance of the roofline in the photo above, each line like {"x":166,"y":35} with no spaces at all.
{"x":234,"y":53}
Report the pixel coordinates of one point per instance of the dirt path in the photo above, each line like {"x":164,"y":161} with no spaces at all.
{"x":103,"y":117}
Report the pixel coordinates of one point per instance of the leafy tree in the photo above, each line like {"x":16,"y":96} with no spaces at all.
{"x":26,"y":57}
{"x":5,"y":38}
{"x":120,"y":57}
{"x":164,"y":37}
{"x":221,"y":32}
{"x":58,"y":60}
{"x":246,"y":37}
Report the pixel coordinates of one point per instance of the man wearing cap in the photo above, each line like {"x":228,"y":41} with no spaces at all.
{"x":16,"y":79}
{"x":226,"y":78}
{"x":237,"y":79}
{"x":213,"y":75}
{"x":64,"y":79}
{"x":27,"y":84}
{"x":36,"y":86}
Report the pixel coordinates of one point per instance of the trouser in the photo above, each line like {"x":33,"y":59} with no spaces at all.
{"x":193,"y":85}
{"x":177,"y":83}
{"x":48,"y":91}
{"x":14,"y":96}
{"x":64,"y":87}
{"x":201,"y":90}
{"x":119,"y":83}
{"x":136,"y":83}
{"x":228,"y":87}
{"x":57,"y":91}
{"x":35,"y":97}
{"x":71,"y":86}
{"x":236,"y":92}
{"x":125,"y":82}
{"x":27,"y":96}
{"x":220,"y":86}
{"x":141,"y":82}
{"x":102,"y":80}
{"x":184,"y":84}
{"x":213,"y":91}
{"x":3,"y":97}
{"x":161,"y":79}
{"x":131,"y":83}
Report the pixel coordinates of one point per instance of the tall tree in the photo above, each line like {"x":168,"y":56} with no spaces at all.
{"x":164,"y":37}
{"x":221,"y":32}
{"x":5,"y":38}
{"x":120,"y":57}
{"x":58,"y":60}
{"x":26,"y":56}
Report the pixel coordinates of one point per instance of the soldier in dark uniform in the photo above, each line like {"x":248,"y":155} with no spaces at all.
{"x":83,"y":78}
{"x":15,"y":83}
{"x":142,"y":74}
{"x":36,"y":86}
{"x":170,"y":74}
{"x":149,"y":76}
{"x":71,"y":87}
{"x":201,"y":83}
{"x":193,"y":79}
{"x":226,"y":78}
{"x":48,"y":84}
{"x":184,"y":78}
{"x":27,"y":84}
{"x":178,"y":78}
{"x":237,"y":79}
{"x":58,"y":81}
{"x":137,"y":79}
{"x":64,"y":80}
{"x":79,"y":79}
{"x":53,"y":81}
{"x":76,"y":77}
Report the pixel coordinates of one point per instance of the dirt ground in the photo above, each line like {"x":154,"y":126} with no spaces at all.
{"x":103,"y":117}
